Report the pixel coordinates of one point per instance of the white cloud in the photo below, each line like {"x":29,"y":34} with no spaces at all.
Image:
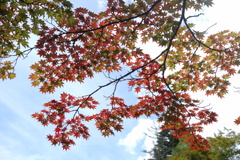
{"x":227,"y":109}
{"x":101,"y":4}
{"x":224,"y":13}
{"x":151,"y":48}
{"x":136,"y":135}
{"x":10,"y":155}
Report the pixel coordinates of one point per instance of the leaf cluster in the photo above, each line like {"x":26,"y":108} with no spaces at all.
{"x":19,"y":19}
{"x":78,"y":44}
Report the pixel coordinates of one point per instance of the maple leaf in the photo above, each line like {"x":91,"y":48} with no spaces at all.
{"x":237,"y":121}
{"x":137,"y":90}
{"x":232,"y":71}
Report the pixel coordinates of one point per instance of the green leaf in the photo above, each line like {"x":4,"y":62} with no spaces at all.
{"x":147,"y":113}
{"x":208,"y":3}
{"x":226,"y":76}
{"x":163,"y":42}
{"x":11,"y":75}
{"x":35,"y":30}
{"x":67,"y":4}
{"x":23,"y":42}
{"x":35,"y":83}
{"x":71,"y":20}
{"x":13,"y":5}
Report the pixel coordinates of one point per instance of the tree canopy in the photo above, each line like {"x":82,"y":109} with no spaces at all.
{"x":76,"y":44}
{"x":224,"y":146}
{"x":164,"y":145}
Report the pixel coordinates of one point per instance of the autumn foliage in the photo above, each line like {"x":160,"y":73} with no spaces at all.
{"x":75,"y":48}
{"x":19,"y":19}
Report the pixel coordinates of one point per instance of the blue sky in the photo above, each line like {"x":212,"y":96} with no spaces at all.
{"x":22,"y":138}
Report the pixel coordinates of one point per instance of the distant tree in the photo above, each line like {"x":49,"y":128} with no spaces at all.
{"x":224,"y":146}
{"x":183,"y":152}
{"x":164,"y":145}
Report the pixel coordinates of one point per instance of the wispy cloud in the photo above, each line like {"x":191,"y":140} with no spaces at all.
{"x":136,"y":135}
{"x":102,"y":4}
{"x":9,"y":155}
